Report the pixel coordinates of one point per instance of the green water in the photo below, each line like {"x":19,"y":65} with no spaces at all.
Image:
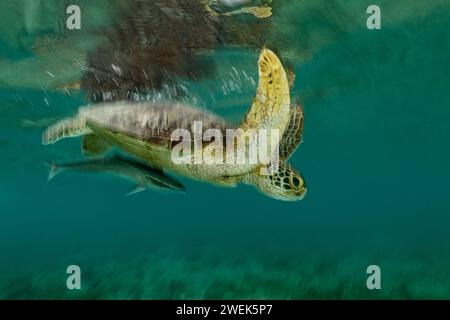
{"x":375,"y":156}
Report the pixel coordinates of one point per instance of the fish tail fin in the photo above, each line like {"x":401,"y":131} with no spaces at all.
{"x":136,"y":190}
{"x":71,"y":127}
{"x":53,"y":171}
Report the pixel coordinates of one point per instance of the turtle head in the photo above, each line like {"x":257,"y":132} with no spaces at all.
{"x":286,"y":184}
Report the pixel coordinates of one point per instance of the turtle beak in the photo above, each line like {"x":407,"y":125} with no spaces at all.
{"x":293,"y":197}
{"x":302,"y":194}
{"x":297,"y":196}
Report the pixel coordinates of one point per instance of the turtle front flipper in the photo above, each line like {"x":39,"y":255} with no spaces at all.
{"x":293,"y":134}
{"x":271,"y":106}
{"x":94,"y":146}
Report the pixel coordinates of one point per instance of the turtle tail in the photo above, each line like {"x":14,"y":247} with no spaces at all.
{"x":67,"y":128}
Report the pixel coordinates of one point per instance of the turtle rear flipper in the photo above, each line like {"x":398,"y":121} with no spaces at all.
{"x":94,"y":146}
{"x":67,"y":128}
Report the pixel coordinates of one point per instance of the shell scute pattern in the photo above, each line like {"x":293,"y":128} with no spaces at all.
{"x":151,"y":122}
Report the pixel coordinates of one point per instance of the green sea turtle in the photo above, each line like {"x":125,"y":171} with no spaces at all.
{"x":144,"y":130}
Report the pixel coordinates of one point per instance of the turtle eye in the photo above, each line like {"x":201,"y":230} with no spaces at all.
{"x":296,"y":182}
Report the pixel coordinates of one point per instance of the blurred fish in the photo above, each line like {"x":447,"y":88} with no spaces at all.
{"x":143,"y":176}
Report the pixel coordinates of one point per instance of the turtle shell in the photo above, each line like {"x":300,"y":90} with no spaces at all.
{"x":151,"y":121}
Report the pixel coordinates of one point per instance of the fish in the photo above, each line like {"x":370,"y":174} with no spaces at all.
{"x":143,"y":176}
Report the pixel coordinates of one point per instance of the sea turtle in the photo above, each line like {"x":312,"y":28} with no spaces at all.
{"x":145,"y":130}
